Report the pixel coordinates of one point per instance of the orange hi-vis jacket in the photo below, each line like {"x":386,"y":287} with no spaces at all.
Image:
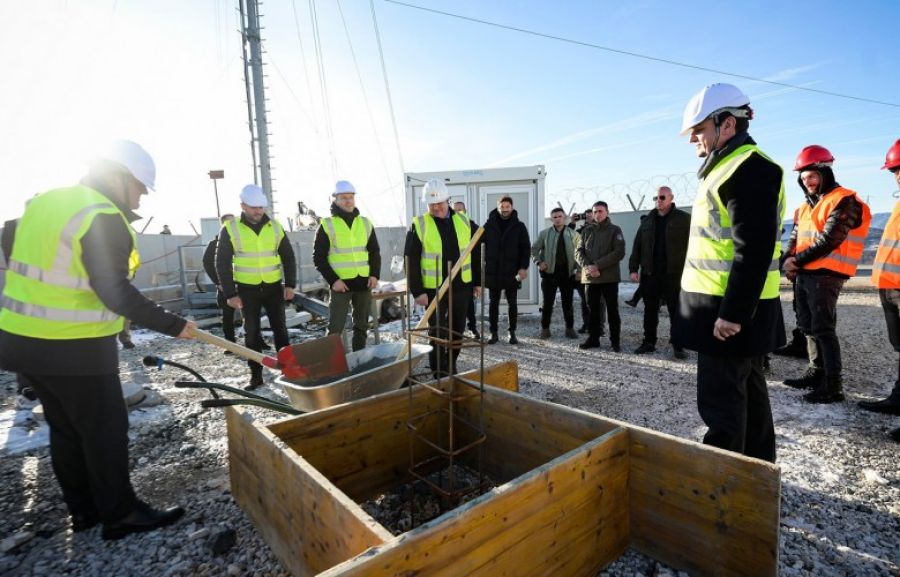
{"x":886,"y":270}
{"x":811,"y":222}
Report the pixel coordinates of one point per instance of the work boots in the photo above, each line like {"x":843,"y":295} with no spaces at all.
{"x":831,"y":390}
{"x":570,"y":333}
{"x":545,"y":333}
{"x":795,"y":348}
{"x":493,"y":340}
{"x":512,"y":338}
{"x":888,"y":406}
{"x":811,"y":379}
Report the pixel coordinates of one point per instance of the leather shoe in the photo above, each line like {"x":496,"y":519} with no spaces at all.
{"x":545,"y":333}
{"x":493,"y":340}
{"x":631,"y":302}
{"x":128,"y":345}
{"x":570,"y":333}
{"x":888,"y":406}
{"x":256,"y":381}
{"x":616,"y":348}
{"x":644,"y":349}
{"x":84,"y":521}
{"x":589,"y":344}
{"x":679,"y":354}
{"x":512,"y":338}
{"x":143,"y":518}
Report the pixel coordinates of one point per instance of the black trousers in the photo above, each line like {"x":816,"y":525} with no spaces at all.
{"x":255,"y":298}
{"x":585,"y":309}
{"x":512,"y":307}
{"x":653,"y":288}
{"x":816,"y":298}
{"x":734,"y":403}
{"x":227,"y":315}
{"x":549,"y":285}
{"x":890,"y":304}
{"x":470,"y":315}
{"x":445,"y":319}
{"x":88,"y":442}
{"x":599,"y":295}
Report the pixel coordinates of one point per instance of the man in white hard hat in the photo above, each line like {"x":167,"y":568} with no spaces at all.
{"x":68,"y":290}
{"x":730,"y":311}
{"x":347,"y":255}
{"x":434,"y":243}
{"x":251,"y":254}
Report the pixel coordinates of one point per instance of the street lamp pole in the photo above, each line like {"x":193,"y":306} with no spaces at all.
{"x":216,"y":175}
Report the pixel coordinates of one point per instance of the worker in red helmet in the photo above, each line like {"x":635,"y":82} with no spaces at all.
{"x":823,"y":251}
{"x":886,"y":276}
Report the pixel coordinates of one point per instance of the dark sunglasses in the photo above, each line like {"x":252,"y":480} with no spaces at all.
{"x":660,"y":197}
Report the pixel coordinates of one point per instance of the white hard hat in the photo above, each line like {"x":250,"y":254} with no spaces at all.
{"x":343,"y":187}
{"x":134,"y":158}
{"x":714,"y":98}
{"x":253,"y":195}
{"x":435,"y":191}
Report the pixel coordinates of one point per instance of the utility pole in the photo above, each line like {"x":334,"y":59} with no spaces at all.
{"x":256,"y":98}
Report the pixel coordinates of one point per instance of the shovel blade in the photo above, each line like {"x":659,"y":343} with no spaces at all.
{"x":316,"y":358}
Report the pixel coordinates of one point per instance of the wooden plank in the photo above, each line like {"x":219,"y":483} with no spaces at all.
{"x":524,"y":433}
{"x":701,"y":509}
{"x":568,"y":517}
{"x":307,"y":522}
{"x":362,"y":447}
{"x":503,"y":375}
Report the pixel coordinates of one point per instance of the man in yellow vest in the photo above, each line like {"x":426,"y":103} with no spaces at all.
{"x":250,"y":256}
{"x":823,"y":251}
{"x":886,"y":276}
{"x":434,"y":243}
{"x":68,"y":290}
{"x":729,"y":310}
{"x":347,"y":255}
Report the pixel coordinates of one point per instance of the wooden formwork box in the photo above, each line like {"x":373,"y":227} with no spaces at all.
{"x":574,"y":491}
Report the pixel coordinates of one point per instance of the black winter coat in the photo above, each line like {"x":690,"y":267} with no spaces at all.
{"x":751,"y":197}
{"x":507,"y":250}
{"x":678,"y":229}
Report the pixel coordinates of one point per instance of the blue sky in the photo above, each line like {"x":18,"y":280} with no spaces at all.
{"x":168,"y":74}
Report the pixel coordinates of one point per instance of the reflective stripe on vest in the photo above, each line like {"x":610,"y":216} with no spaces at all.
{"x":710,"y":250}
{"x":255,"y":259}
{"x":811,"y":223}
{"x":886,"y":269}
{"x":432,"y":250}
{"x":48,"y":293}
{"x":348,"y":255}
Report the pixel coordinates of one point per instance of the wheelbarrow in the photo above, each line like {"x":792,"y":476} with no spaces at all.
{"x":372,"y":370}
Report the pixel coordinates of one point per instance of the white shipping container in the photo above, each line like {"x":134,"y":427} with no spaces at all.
{"x":480,"y":190}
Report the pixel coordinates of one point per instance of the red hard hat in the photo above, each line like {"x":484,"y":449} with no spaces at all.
{"x":892,"y":160}
{"x":813,"y":155}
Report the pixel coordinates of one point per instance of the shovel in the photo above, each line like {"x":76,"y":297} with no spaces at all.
{"x":319,"y":358}
{"x":288,"y":366}
{"x":323,"y":357}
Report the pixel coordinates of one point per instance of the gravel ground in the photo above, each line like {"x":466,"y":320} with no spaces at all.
{"x":840,"y":479}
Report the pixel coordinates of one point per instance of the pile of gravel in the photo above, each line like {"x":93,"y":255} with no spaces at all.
{"x":840,"y":474}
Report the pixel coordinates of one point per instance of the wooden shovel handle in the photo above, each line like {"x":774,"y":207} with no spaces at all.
{"x":445,"y":286}
{"x":235,"y":348}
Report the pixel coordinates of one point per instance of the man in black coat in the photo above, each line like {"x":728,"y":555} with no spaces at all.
{"x":730,"y":310}
{"x":507,"y":251}
{"x":659,"y":249}
{"x":209,"y":265}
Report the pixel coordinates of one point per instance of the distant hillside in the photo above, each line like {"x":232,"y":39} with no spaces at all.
{"x":879,"y":221}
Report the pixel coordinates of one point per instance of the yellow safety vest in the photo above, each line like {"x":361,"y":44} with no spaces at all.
{"x":710,"y":249}
{"x":48,"y":294}
{"x":348,"y":255}
{"x":433,"y":252}
{"x":255,"y":259}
